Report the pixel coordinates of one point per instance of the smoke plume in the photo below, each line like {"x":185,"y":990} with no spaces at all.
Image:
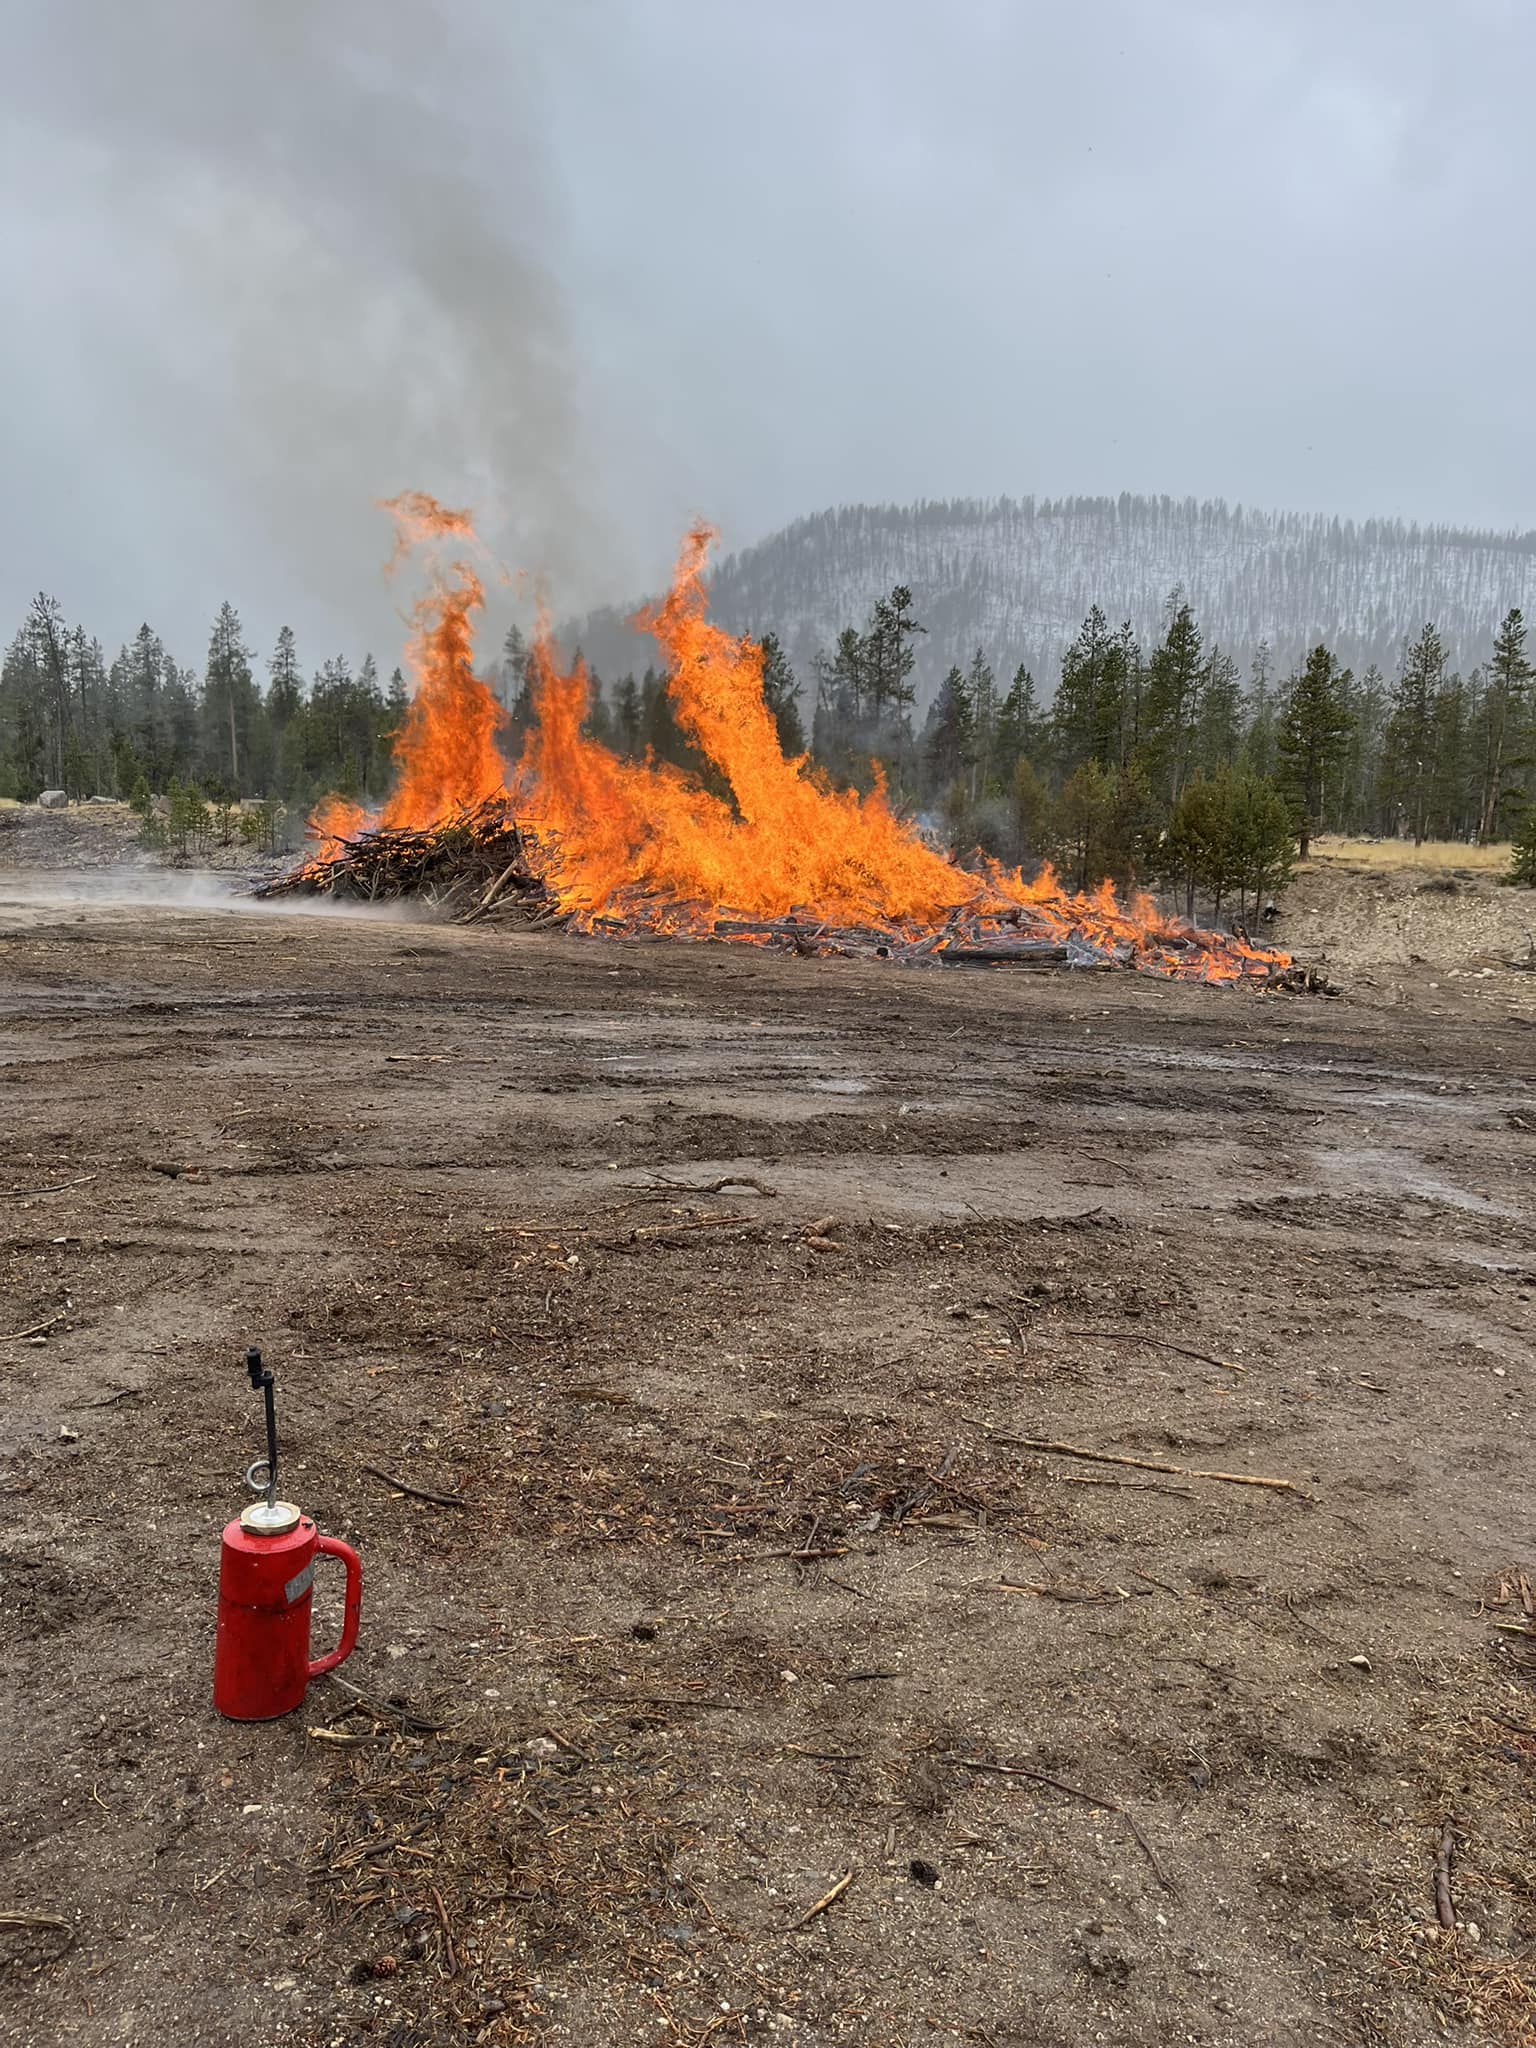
{"x":319,"y":225}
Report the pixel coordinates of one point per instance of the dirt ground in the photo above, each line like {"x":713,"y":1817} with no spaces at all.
{"x":710,"y":1292}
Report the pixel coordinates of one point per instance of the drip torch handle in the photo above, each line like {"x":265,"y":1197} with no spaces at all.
{"x":332,"y":1546}
{"x":262,"y":1377}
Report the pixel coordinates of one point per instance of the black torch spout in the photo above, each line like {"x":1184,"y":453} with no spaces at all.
{"x":261,"y":1376}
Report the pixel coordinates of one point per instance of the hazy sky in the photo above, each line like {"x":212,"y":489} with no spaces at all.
{"x":598,"y":265}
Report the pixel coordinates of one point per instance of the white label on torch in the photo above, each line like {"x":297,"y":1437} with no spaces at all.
{"x":300,"y":1583}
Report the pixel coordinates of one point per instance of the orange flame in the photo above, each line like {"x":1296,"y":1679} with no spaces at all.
{"x":643,"y":845}
{"x":783,"y":843}
{"x":446,"y":751}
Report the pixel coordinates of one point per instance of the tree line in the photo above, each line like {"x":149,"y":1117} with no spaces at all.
{"x":1160,"y":762}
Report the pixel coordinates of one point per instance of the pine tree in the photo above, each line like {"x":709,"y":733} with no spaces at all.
{"x":285,"y":685}
{"x":513,"y":682}
{"x":1086,"y":718}
{"x":981,"y":694}
{"x":1508,"y":692}
{"x":1522,"y":865}
{"x":46,"y":638}
{"x":1085,"y":824}
{"x":1259,"y":710}
{"x":1367,"y":704}
{"x":1030,"y":800}
{"x":1452,"y":801}
{"x":1407,"y":760}
{"x":781,"y":694}
{"x":889,"y":656}
{"x":1217,"y":728}
{"x":837,"y":724}
{"x":1313,"y":741}
{"x":228,"y":693}
{"x":627,"y":716}
{"x":949,"y":734}
{"x":1171,"y":706}
{"x":1021,"y":729}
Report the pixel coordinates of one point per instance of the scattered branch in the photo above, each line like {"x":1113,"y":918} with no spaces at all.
{"x":436,"y":1500}
{"x":1157,"y":1344}
{"x":821,"y":1905}
{"x":966,"y":1763}
{"x":15,"y":1336}
{"x":1445,"y":1909}
{"x":55,"y":1188}
{"x":1056,"y":1450}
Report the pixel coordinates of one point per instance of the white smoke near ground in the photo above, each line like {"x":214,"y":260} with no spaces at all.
{"x":315,"y":235}
{"x":30,"y":899}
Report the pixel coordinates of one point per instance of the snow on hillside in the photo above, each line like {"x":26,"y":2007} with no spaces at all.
{"x":1016,"y":576}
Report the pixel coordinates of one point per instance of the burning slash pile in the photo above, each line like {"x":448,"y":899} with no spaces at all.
{"x":472,"y":864}
{"x":578,"y":836}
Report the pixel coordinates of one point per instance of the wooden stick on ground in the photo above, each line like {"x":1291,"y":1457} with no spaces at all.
{"x":57,"y":1188}
{"x":644,"y":1232}
{"x":450,"y":1954}
{"x":1445,"y":1910}
{"x":437,"y":1500}
{"x":38,"y":1923}
{"x":821,"y":1905}
{"x":706,"y":1187}
{"x":15,"y":1336}
{"x":1040,"y":1443}
{"x":1157,"y":1344}
{"x":967,"y":1763}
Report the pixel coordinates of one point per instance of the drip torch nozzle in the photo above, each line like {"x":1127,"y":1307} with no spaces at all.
{"x":261,"y":1378}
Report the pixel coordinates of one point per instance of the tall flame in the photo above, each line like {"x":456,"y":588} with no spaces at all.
{"x":783,"y":842}
{"x":644,"y":844}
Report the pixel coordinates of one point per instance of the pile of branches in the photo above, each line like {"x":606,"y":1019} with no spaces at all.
{"x":479,"y":863}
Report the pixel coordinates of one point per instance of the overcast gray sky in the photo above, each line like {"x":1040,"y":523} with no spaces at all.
{"x":599,"y":265}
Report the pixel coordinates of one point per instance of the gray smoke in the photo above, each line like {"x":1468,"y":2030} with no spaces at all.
{"x":316,"y":228}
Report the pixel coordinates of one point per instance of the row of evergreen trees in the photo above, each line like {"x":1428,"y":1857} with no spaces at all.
{"x":1158,"y":762}
{"x":70,"y":721}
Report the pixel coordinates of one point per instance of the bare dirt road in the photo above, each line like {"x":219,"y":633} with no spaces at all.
{"x":713,"y":1292}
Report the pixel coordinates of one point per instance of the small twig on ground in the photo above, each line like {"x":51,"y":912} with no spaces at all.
{"x":800,"y":1556}
{"x":1040,"y":1443}
{"x":1503,"y":1720}
{"x":644,"y":1232}
{"x":450,"y":1954}
{"x":1130,"y":1485}
{"x":111,"y":1400}
{"x":38,"y":1923}
{"x":437,"y":1500}
{"x":1162,"y":1584}
{"x":967,"y":1763}
{"x":1010,"y":1317}
{"x":821,"y":1905}
{"x":1445,"y":1910}
{"x":564,"y":1742}
{"x":15,"y":1336}
{"x":56,"y":1188}
{"x":384,"y":1709}
{"x":1157,"y":1344}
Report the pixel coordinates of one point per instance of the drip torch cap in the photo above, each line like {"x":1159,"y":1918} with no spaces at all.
{"x":270,"y":1518}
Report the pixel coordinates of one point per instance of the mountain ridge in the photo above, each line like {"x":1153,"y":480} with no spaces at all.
{"x":1017,"y":576}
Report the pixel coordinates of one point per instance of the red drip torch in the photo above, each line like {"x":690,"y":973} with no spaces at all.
{"x":261,"y":1663}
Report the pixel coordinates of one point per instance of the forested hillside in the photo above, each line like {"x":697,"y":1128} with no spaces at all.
{"x":1017,"y":576}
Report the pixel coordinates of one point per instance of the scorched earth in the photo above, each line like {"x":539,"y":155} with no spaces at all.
{"x":748,"y":1662}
